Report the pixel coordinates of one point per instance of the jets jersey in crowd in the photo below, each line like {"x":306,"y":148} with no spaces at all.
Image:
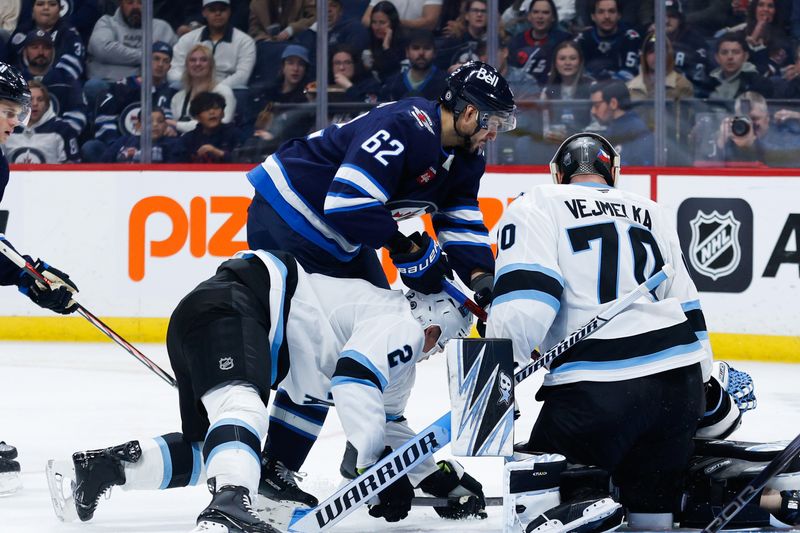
{"x":615,"y":55}
{"x":564,"y":253}
{"x":348,"y":185}
{"x":343,"y":342}
{"x":50,"y":140}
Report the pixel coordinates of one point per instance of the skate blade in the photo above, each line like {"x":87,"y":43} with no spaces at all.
{"x":60,"y":480}
{"x":10,"y":482}
{"x":277,"y":513}
{"x":205,"y":526}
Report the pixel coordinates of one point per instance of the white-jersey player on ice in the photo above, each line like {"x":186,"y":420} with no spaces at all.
{"x":628,"y":398}
{"x":261,"y":321}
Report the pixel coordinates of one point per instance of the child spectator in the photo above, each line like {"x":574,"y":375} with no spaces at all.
{"x":423,"y":78}
{"x":532,"y":50}
{"x":414,"y":14}
{"x":387,"y":44}
{"x":118,"y":108}
{"x":46,"y":138}
{"x":127,"y":149}
{"x":234,"y":51}
{"x":280,"y":20}
{"x":211,"y":141}
{"x":197,"y":78}
{"x":69,"y":49}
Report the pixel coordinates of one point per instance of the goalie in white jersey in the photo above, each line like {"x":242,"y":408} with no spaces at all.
{"x":261,"y":321}
{"x":628,"y":398}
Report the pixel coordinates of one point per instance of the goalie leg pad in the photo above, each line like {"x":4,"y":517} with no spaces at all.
{"x":530,"y":487}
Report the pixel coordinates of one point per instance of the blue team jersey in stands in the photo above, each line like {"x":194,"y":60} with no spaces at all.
{"x":348,"y":185}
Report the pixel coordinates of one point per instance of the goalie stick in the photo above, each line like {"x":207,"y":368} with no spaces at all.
{"x":20,"y":261}
{"x":772,"y":469}
{"x":383,"y":473}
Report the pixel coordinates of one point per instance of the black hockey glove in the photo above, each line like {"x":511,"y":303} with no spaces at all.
{"x":464,"y":491}
{"x":395,"y":500}
{"x":57,"y":296}
{"x":423,"y":269}
{"x":482,"y":285}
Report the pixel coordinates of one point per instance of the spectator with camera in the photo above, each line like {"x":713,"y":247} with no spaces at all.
{"x":211,"y":141}
{"x":625,"y":130}
{"x":735,"y":75}
{"x":422,"y":78}
{"x":69,"y":49}
{"x":280,"y":20}
{"x":66,"y":93}
{"x":747,"y":137}
{"x":233,"y":50}
{"x":46,"y":138}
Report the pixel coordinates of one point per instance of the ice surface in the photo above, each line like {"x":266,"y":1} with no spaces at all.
{"x":57,"y":398}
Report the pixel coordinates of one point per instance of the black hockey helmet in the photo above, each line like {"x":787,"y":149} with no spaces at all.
{"x":480,"y":85}
{"x":585,"y":153}
{"x":14,"y":88}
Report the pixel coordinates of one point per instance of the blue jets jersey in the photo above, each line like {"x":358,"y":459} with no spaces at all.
{"x":9,"y":272}
{"x":347,"y":185}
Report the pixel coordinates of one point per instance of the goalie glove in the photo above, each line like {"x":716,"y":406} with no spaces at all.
{"x":464,"y":491}
{"x":395,"y":500}
{"x":57,"y":296}
{"x":423,"y":269}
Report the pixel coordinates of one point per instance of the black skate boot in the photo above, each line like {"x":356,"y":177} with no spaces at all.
{"x":10,"y":480}
{"x":96,"y":471}
{"x":790,"y":508}
{"x":579,"y":517}
{"x":7,"y":451}
{"x":279,"y":484}
{"x":230,"y":511}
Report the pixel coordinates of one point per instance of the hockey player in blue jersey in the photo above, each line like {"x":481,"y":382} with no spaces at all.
{"x":15,"y":109}
{"x":334,"y":197}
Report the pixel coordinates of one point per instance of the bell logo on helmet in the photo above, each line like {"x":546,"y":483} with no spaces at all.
{"x":487,"y":76}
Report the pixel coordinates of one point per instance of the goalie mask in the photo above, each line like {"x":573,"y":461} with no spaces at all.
{"x":585,"y":153}
{"x":440,"y":310}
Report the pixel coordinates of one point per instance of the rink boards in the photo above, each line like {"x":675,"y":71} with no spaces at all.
{"x":137,"y":239}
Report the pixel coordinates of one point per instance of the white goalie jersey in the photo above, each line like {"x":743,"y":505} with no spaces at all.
{"x":564,"y":252}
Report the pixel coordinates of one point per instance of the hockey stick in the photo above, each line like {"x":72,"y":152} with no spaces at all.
{"x":430,"y":501}
{"x":383,"y":473}
{"x":772,"y":469}
{"x":20,"y":261}
{"x":462,"y":299}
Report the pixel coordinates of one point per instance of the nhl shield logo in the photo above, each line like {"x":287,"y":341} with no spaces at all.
{"x":715,"y":250}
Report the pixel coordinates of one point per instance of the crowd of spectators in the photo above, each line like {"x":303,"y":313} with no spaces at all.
{"x":234,"y":78}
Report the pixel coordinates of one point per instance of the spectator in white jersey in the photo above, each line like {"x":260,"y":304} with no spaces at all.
{"x":46,"y":138}
{"x":628,"y":398}
{"x":234,"y":51}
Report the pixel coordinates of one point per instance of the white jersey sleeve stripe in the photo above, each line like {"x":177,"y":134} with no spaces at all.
{"x":365,"y":362}
{"x":335,"y":203}
{"x":690,"y":306}
{"x":538,"y":296}
{"x":532,"y":267}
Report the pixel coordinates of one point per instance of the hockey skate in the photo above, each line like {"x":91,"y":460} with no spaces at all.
{"x":579,"y":517}
{"x":7,"y":451}
{"x":278,"y":493}
{"x":96,"y":471}
{"x":230,"y":511}
{"x":61,"y":481}
{"x":10,"y":479}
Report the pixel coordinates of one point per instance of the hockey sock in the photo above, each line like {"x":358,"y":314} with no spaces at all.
{"x":293,"y":430}
{"x":167,"y":461}
{"x":232,"y":449}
